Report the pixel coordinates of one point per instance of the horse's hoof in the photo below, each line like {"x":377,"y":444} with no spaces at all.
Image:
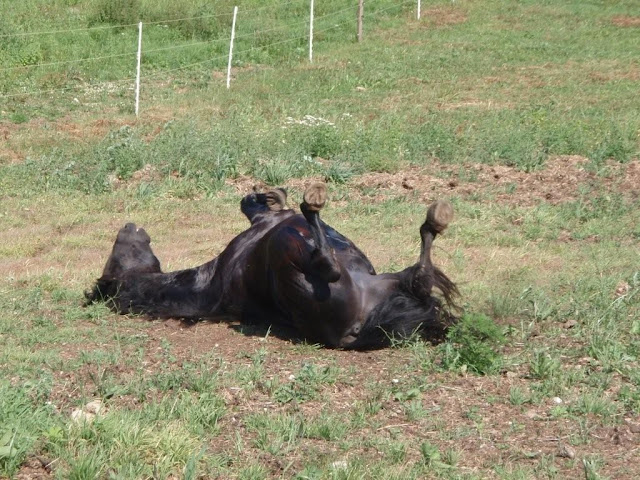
{"x":127,"y":233}
{"x":276,"y":199}
{"x":315,"y":196}
{"x":130,"y":233}
{"x":439,"y":215}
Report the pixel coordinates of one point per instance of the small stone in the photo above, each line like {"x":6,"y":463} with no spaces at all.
{"x":532,"y":414}
{"x":622,"y":289}
{"x":339,"y":465}
{"x":93,"y":407}
{"x":87,"y":414}
{"x":394,"y":380}
{"x":565,"y":451}
{"x":80,"y":416}
{"x":634,"y":427}
{"x":557,"y":400}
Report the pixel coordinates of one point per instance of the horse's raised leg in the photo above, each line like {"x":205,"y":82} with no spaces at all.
{"x":131,"y":254}
{"x":323,"y":261}
{"x":425,"y":276}
{"x":255,"y":204}
{"x":131,"y":251}
{"x":132,"y":281}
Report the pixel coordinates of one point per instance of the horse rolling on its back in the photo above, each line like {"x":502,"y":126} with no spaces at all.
{"x":288,"y":269}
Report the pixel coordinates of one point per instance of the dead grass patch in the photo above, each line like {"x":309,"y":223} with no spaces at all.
{"x":475,"y":104}
{"x":443,"y":16}
{"x":550,"y":74}
{"x":626,"y":21}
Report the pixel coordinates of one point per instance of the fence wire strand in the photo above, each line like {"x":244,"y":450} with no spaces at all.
{"x":127,"y":25}
{"x":157,"y":73}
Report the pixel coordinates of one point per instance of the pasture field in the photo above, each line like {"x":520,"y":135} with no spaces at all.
{"x":525,"y":115}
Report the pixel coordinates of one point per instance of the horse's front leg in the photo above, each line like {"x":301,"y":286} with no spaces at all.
{"x":255,"y":204}
{"x":323,"y":260}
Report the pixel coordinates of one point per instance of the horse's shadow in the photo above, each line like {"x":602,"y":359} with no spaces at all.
{"x":263,"y":329}
{"x":248,"y":328}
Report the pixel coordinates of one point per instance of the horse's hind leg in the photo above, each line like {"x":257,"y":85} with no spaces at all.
{"x":425,"y":276}
{"x":439,"y":216}
{"x":323,"y":261}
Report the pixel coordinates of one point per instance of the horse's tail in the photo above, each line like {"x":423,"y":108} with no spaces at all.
{"x":448,"y":288}
{"x":403,"y":315}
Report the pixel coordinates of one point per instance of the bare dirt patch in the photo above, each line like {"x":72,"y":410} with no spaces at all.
{"x":626,"y":21}
{"x":21,"y":140}
{"x":36,"y":468}
{"x":148,"y":173}
{"x":442,"y":16}
{"x":631,"y":73}
{"x":557,"y":182}
{"x":553,"y":74}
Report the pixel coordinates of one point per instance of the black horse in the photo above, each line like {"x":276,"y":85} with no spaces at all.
{"x":290,"y":270}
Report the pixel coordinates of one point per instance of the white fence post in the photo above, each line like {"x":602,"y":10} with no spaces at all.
{"x":418,"y":9}
{"x":359,"y":22}
{"x":311,"y":33}
{"x":233,"y":35}
{"x":138,"y":68}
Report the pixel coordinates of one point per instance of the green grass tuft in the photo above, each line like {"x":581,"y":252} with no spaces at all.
{"x":474,"y":344}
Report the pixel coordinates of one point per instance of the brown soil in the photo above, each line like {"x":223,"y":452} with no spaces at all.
{"x":557,"y":182}
{"x":626,"y":21}
{"x":36,"y":468}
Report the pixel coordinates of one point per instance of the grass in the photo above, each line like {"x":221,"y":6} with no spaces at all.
{"x":482,"y":103}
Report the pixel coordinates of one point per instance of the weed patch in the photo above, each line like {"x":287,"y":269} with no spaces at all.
{"x":473,"y":344}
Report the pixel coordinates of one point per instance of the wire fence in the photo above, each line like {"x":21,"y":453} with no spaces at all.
{"x":25,"y":80}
